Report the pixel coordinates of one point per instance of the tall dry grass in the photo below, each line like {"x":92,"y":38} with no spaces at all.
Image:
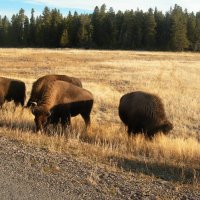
{"x":175,"y":77}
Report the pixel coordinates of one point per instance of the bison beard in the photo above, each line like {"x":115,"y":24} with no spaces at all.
{"x":143,"y":113}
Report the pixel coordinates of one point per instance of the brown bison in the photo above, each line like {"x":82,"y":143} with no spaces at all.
{"x":11,"y":89}
{"x":143,"y":113}
{"x":40,"y":84}
{"x":61,"y":101}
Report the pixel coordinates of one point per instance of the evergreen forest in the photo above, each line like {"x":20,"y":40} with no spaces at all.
{"x":175,"y":30}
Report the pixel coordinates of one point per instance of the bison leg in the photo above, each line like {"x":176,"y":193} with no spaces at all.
{"x":129,"y":130}
{"x":65,"y":122}
{"x":1,"y":104}
{"x":2,"y":100}
{"x":16,"y":103}
{"x":86,"y":118}
{"x":22,"y":103}
{"x":131,"y":127}
{"x":68,"y":121}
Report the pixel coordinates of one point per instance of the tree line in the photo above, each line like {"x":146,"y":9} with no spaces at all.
{"x":176,"y":30}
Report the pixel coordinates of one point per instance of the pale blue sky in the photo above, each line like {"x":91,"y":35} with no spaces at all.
{"x":9,"y":7}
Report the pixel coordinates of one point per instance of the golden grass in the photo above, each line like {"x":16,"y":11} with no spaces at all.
{"x":175,"y":77}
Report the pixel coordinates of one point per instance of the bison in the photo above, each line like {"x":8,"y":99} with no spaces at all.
{"x":40,"y":84}
{"x":11,"y":89}
{"x":61,"y":101}
{"x":143,"y":113}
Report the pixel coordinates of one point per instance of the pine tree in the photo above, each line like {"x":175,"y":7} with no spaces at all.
{"x":85,"y":31}
{"x":5,"y":32}
{"x":197,"y":32}
{"x":68,"y":25}
{"x":149,"y":36}
{"x":126,"y":36}
{"x":56,"y":28}
{"x":64,"y":41}
{"x":96,"y":23}
{"x":21,"y":21}
{"x":45,"y":26}
{"x":178,"y":30}
{"x":1,"y":33}
{"x":26,"y":32}
{"x":32,"y":29}
{"x":109,"y":29}
{"x":74,"y":29}
{"x":191,"y":22}
{"x":14,"y":31}
{"x":39,"y":33}
{"x":160,"y":30}
{"x":138,"y":29}
{"x":167,"y":31}
{"x":119,"y":18}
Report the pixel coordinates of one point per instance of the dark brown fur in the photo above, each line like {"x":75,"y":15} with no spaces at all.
{"x":61,"y":101}
{"x":11,"y":89}
{"x":143,"y":113}
{"x":42,"y":82}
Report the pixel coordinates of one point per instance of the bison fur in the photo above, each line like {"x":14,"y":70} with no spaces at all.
{"x":61,"y":101}
{"x":40,"y":84}
{"x":143,"y":113}
{"x":11,"y":89}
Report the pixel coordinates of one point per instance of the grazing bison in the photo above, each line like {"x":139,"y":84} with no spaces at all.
{"x":143,"y":112}
{"x":11,"y":89}
{"x":40,"y":84}
{"x":61,"y":101}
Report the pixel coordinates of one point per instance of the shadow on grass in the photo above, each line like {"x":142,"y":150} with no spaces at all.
{"x":17,"y":126}
{"x":163,"y":171}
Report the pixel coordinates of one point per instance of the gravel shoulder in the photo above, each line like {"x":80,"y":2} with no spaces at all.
{"x":31,"y":173}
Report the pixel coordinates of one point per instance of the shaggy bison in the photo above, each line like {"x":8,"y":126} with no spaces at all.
{"x":40,"y":84}
{"x":61,"y":101}
{"x":11,"y":89}
{"x":143,"y":112}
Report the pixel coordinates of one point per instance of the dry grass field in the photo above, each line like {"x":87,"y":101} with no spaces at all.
{"x":175,"y":77}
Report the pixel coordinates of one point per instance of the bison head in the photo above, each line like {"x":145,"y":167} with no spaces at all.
{"x":168,"y":126}
{"x":41,"y":117}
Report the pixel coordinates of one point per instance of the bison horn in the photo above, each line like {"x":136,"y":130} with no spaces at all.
{"x":33,"y":103}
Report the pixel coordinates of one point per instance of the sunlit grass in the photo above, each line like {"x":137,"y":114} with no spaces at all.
{"x":108,"y":75}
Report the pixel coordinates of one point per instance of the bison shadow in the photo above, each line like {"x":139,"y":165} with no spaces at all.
{"x":18,"y":126}
{"x":163,"y":171}
{"x":19,"y":123}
